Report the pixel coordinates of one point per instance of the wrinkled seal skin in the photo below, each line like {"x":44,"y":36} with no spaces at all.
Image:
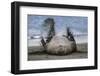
{"x":60,"y":45}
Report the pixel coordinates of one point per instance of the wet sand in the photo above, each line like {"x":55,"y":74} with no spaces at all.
{"x":75,"y":55}
{"x":41,"y":55}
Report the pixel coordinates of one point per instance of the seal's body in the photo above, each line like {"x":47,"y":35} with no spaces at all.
{"x":60,"y":45}
{"x":55,"y":44}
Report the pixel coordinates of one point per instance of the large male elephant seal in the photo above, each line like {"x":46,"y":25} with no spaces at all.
{"x":59,"y":45}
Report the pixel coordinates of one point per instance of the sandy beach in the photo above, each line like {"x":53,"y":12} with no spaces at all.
{"x":42,"y":55}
